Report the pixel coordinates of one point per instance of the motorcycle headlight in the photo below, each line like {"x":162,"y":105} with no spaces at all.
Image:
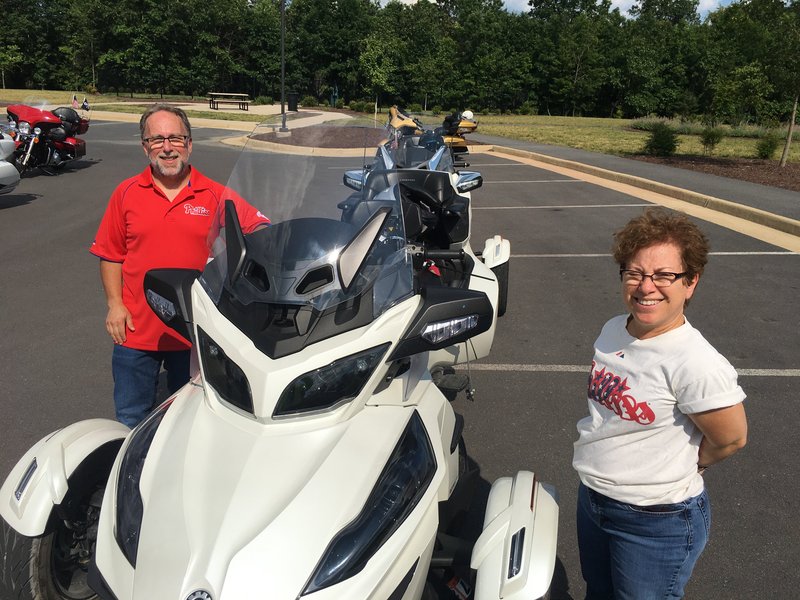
{"x":326,"y":387}
{"x":24,"y":127}
{"x":224,"y":375}
{"x":129,"y":498}
{"x":397,"y":492}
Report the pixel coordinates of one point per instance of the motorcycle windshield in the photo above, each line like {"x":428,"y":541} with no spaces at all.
{"x":327,"y":248}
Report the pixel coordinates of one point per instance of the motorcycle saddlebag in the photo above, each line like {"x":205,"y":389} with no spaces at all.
{"x":83,"y":126}
{"x":79,"y":146}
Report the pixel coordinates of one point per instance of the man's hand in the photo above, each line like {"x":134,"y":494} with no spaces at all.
{"x":118,"y":321}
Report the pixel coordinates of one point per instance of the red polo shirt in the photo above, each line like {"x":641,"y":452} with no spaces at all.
{"x":143,"y":230}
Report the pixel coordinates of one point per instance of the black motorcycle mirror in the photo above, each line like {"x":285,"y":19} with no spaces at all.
{"x":169,"y":294}
{"x":447,"y":316}
{"x":468,"y":181}
{"x":354,"y":179}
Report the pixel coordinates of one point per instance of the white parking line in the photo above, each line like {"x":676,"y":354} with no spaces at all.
{"x":765,"y":253}
{"x":585,"y":369}
{"x":559,"y":206}
{"x":485,"y":183}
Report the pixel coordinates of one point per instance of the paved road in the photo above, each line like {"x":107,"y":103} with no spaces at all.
{"x":55,"y":367}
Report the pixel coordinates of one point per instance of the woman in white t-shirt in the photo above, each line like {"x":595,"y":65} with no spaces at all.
{"x":663,"y":406}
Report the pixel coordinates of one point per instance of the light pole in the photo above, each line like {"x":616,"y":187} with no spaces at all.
{"x":283,"y":68}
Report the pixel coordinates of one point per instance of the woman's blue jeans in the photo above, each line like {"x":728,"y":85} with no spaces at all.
{"x":136,"y":380}
{"x":631,"y":552}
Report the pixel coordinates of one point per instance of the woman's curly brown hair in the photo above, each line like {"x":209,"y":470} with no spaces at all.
{"x":657,"y":226}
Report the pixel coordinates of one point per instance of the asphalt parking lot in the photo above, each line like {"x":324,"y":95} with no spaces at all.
{"x":530,"y":390}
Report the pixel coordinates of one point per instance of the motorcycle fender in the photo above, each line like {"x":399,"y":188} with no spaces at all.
{"x":39,"y":480}
{"x":516,"y":553}
{"x":496,"y":251}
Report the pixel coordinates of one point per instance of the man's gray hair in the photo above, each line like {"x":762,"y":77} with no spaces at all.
{"x":159,"y":107}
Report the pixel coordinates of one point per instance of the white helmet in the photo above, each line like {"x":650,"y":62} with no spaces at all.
{"x":467,"y":114}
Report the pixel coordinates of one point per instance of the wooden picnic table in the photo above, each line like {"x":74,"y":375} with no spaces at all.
{"x":217,"y":98}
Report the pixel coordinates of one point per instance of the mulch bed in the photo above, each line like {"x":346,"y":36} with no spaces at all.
{"x":755,"y":170}
{"x":327,"y":136}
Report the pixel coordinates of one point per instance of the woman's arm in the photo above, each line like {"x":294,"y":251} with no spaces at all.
{"x":724,"y":433}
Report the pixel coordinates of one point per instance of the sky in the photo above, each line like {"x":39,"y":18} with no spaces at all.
{"x":704,"y":7}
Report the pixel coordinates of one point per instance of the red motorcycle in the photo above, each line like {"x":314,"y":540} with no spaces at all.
{"x":45,"y":139}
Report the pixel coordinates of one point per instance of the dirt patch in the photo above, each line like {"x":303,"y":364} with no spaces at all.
{"x":755,"y":170}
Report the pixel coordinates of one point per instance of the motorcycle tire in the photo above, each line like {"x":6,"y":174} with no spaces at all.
{"x":501,"y":272}
{"x":41,"y":568}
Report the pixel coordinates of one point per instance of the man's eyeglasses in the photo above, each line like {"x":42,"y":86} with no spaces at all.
{"x":157,"y":141}
{"x":659,"y":279}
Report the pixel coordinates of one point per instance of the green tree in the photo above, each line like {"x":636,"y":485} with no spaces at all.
{"x":9,"y":58}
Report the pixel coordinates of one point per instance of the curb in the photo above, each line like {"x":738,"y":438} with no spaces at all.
{"x":755,"y":215}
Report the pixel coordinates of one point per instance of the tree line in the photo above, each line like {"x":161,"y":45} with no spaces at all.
{"x":560,"y":57}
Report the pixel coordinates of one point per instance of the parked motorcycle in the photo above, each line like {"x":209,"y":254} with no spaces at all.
{"x":312,"y":456}
{"x":454,"y":127}
{"x":9,"y":176}
{"x":46,"y":139}
{"x":411,"y":146}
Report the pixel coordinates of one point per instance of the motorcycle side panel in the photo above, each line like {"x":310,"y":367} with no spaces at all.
{"x":9,"y":176}
{"x":515,"y":505}
{"x":7,"y":146}
{"x":496,"y":251}
{"x":40,"y":479}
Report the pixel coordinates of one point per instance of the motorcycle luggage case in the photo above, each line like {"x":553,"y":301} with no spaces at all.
{"x":79,"y":145}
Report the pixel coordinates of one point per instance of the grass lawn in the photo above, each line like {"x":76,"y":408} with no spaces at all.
{"x":607,"y":136}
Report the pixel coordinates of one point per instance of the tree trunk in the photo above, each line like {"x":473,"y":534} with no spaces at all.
{"x":785,"y":155}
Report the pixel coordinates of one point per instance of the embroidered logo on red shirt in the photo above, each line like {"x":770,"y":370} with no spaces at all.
{"x":608,"y":390}
{"x":200,"y":211}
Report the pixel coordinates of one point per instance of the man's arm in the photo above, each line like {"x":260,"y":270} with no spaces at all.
{"x":724,"y":433}
{"x":118,"y":319}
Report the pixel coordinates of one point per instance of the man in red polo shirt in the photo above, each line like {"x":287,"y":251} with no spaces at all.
{"x":158,"y":219}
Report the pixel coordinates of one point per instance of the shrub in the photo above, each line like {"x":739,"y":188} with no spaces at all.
{"x":710,"y":137}
{"x":263,"y":100}
{"x":767,"y":145}
{"x":663,"y":140}
{"x":529,"y":108}
{"x":90,"y":89}
{"x":436,"y":110}
{"x":309,"y":101}
{"x":414,"y":107}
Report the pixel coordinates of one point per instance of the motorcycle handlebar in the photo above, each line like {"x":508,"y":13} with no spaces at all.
{"x":442,"y":254}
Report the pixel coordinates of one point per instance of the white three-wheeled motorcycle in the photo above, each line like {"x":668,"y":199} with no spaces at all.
{"x":312,"y":455}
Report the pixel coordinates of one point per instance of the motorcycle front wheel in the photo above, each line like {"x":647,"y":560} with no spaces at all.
{"x":52,"y":566}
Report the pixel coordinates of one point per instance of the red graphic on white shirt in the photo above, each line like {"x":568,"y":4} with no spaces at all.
{"x":608,"y":390}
